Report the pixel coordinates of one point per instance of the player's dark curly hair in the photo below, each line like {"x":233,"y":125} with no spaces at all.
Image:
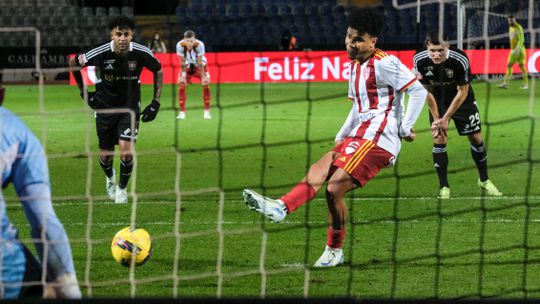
{"x":122,"y":22}
{"x":434,"y":37}
{"x":365,"y":20}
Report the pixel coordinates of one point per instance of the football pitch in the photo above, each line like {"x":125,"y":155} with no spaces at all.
{"x":402,"y":242}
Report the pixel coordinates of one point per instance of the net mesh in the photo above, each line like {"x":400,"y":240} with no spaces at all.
{"x":381,"y":245}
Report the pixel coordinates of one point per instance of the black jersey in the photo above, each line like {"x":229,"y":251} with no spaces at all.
{"x":118,"y":74}
{"x":445,"y":77}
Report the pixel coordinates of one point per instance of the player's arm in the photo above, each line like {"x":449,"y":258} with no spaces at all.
{"x":150,"y":112}
{"x":75,"y":67}
{"x":417,"y":97}
{"x":442,"y":123}
{"x":183,"y":70}
{"x":346,"y":128}
{"x":30,"y":179}
{"x":398,"y":76}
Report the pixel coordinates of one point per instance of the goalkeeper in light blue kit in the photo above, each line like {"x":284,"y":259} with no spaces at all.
{"x":23,"y":164}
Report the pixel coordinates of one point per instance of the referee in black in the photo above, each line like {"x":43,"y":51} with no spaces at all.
{"x":446,"y":73}
{"x":117,"y":98}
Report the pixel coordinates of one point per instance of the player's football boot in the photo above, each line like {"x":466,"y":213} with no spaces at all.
{"x":444,"y":193}
{"x":274,"y":210}
{"x":525,"y":87}
{"x":121,"y":196}
{"x":331,"y":257}
{"x":489,"y":188}
{"x":181,"y":115}
{"x":207,"y":115}
{"x":111,"y":185}
{"x":503,"y":85}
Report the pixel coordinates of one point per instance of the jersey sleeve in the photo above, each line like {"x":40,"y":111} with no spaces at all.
{"x":419,"y":65}
{"x":463,"y":69}
{"x":394,"y":73}
{"x":92,"y":56}
{"x":200,"y":50}
{"x":149,"y":60}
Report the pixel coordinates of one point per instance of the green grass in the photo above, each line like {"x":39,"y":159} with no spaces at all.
{"x":401,"y":241}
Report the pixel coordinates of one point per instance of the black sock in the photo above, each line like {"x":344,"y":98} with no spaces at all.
{"x":440,"y":161}
{"x":125,"y":172}
{"x":479,"y":156}
{"x":107,"y":166}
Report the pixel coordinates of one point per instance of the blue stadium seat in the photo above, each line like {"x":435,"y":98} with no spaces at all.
{"x":127,"y":11}
{"x":101,"y":11}
{"x":116,"y":11}
{"x":87,"y":11}
{"x":180,"y":11}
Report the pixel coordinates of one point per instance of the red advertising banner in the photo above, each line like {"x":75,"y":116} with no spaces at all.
{"x":320,"y":66}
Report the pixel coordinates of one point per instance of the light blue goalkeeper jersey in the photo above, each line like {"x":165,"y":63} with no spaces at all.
{"x":23,"y":163}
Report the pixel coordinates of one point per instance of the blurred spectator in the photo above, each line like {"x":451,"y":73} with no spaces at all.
{"x":157,"y":45}
{"x":288,"y":42}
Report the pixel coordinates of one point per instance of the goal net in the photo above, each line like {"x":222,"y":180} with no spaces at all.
{"x":402,"y":241}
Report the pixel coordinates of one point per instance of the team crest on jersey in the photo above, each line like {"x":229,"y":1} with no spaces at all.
{"x":352,"y":147}
{"x":109,"y":77}
{"x":449,"y":73}
{"x":132,"y":65}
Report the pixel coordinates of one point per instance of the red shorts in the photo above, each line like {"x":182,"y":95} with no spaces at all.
{"x":195,"y":72}
{"x":361,"y":159}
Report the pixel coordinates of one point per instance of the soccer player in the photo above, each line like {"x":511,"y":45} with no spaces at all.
{"x":517,"y":53}
{"x":117,"y":98}
{"x":369,"y":140}
{"x":191,"y":51}
{"x":23,"y":164}
{"x":446,"y":74}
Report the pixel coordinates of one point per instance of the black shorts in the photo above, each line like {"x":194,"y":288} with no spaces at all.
{"x":466,"y":118}
{"x":112,"y":127}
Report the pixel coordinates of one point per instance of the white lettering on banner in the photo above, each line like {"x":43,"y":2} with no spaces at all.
{"x":287,"y":73}
{"x":279,"y":71}
{"x":306,"y":74}
{"x":327,"y":66}
{"x":346,"y":72}
{"x":260,"y":66}
{"x":274,"y":71}
{"x":531,"y":65}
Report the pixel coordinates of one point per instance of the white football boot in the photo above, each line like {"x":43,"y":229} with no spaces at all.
{"x":207,"y":115}
{"x":121,"y":196}
{"x":489,"y":188}
{"x":181,"y":115}
{"x":111,"y":185}
{"x":274,"y":210}
{"x":331,"y":257}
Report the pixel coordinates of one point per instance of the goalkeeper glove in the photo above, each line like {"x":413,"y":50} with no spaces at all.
{"x":150,"y":111}
{"x":91,"y":101}
{"x":65,"y":286}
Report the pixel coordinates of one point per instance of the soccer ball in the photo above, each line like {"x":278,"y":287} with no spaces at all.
{"x":128,"y":242}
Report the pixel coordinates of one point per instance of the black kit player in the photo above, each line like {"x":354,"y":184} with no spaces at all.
{"x":446,"y":73}
{"x":117,"y":98}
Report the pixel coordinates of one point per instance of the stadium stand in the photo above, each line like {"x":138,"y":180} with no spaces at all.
{"x":314,"y":23}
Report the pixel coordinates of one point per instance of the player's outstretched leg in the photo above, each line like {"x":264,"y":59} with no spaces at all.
{"x":106,"y":163}
{"x":274,"y":210}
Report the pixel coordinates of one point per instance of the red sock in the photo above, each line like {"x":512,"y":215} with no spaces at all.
{"x":206,"y":97}
{"x":335,"y":237}
{"x":299,"y":195}
{"x":182,"y":97}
